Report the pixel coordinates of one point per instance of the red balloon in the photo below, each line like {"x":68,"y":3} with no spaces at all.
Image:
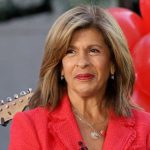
{"x":141,"y":99}
{"x":145,"y":11}
{"x":141,"y":59}
{"x":131,"y":24}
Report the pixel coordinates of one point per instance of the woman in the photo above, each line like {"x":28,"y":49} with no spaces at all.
{"x":83,"y":97}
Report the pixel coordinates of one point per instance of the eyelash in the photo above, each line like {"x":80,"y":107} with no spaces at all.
{"x":92,"y":50}
{"x":70,"y":51}
{"x":95,"y":50}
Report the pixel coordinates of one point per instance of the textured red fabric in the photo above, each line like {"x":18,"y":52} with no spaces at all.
{"x":39,"y":129}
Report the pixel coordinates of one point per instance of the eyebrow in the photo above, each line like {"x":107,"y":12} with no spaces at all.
{"x":89,"y":46}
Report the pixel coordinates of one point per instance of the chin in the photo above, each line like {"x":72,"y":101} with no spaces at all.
{"x":85,"y":93}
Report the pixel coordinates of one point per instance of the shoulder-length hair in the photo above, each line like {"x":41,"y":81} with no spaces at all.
{"x":50,"y":87}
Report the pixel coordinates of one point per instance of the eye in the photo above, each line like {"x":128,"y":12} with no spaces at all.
{"x":70,"y":52}
{"x":94,"y":51}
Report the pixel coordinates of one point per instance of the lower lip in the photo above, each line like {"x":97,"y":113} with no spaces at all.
{"x":85,"y":77}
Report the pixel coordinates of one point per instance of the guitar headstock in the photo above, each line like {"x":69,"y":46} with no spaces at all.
{"x":12,"y":106}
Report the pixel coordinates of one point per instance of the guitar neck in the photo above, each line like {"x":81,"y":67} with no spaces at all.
{"x":9,"y":109}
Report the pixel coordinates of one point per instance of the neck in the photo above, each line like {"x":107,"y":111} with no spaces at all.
{"x":83,"y":106}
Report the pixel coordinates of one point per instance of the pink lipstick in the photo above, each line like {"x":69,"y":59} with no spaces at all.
{"x":86,"y":76}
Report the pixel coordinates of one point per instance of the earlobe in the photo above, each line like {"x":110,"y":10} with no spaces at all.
{"x":62,"y":72}
{"x":62,"y":75}
{"x":112,"y":69}
{"x":112,"y":72}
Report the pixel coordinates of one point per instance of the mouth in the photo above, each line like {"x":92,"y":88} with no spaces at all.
{"x":85,"y":76}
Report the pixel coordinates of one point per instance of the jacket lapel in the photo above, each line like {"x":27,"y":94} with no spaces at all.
{"x":120,"y":133}
{"x":63,"y":124}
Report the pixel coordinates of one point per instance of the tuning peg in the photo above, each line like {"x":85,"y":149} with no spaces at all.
{"x":14,"y":103}
{"x":7,"y":106}
{"x":9,"y":99}
{"x":16,"y":96}
{"x":2,"y":102}
{"x":3,"y":122}
{"x":29,"y":90}
{"x":22,"y":93}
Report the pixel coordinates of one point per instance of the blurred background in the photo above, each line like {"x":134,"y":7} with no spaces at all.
{"x":23,"y":27}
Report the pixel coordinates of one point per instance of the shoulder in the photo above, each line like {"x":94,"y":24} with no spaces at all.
{"x":36,"y":112}
{"x":142,"y":119}
{"x":27,"y":124}
{"x":140,"y":115}
{"x":31,"y":116}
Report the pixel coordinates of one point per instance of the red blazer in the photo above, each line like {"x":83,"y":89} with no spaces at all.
{"x":39,"y":129}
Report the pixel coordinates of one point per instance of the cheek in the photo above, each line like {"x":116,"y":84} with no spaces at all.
{"x":103,"y":68}
{"x":67,"y":67}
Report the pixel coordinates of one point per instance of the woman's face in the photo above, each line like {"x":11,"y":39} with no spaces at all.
{"x":86,"y":65}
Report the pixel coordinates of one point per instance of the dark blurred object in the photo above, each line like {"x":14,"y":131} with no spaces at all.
{"x":130,"y":4}
{"x":17,"y":8}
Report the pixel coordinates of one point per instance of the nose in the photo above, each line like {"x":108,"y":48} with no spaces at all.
{"x":83,"y":61}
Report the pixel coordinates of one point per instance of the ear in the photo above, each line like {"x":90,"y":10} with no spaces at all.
{"x":62,"y":75}
{"x":62,"y":72}
{"x":112,"y":69}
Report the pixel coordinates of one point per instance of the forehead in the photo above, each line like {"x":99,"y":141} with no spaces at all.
{"x":87,"y":37}
{"x":92,"y":34}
